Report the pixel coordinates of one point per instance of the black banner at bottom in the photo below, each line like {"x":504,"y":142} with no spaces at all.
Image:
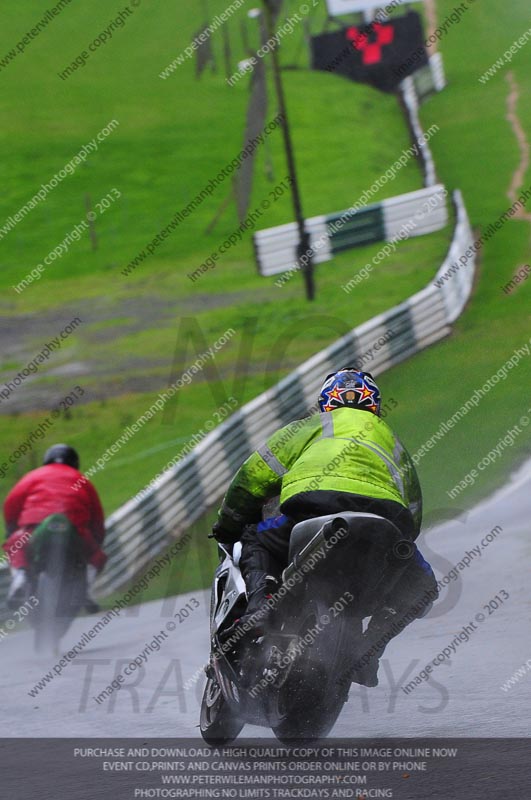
{"x":404,"y":769}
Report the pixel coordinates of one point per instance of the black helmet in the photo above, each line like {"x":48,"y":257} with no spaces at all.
{"x":61,"y":454}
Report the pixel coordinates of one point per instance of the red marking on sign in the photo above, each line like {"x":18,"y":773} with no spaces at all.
{"x":372,"y":51}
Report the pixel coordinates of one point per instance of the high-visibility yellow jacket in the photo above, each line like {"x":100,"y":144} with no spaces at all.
{"x":344,"y":450}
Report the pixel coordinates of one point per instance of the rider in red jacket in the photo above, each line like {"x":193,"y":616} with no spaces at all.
{"x":49,"y":490}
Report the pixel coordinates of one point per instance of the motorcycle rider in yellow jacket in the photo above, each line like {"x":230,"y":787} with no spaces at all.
{"x":343,"y":458}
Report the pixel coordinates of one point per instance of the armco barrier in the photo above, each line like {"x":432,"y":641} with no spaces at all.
{"x":276,"y":248}
{"x":429,"y":79}
{"x":411,"y":101}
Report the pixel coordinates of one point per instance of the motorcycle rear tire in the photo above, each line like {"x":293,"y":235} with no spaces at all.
{"x":61,"y":591}
{"x":316,"y":688}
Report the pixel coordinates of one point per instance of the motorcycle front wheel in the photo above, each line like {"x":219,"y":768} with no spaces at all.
{"x":218,"y":723}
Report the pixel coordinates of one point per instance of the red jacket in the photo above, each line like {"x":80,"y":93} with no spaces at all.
{"x":48,"y":490}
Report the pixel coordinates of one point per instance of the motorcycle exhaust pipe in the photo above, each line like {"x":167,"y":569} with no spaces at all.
{"x":403,"y":551}
{"x":313,"y":550}
{"x":397,"y":561}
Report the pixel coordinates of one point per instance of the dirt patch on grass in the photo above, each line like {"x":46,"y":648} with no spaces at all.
{"x":518,"y":177}
{"x":24,"y":336}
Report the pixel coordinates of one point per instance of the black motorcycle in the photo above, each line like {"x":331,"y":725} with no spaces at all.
{"x":57,"y":579}
{"x":294,"y":676}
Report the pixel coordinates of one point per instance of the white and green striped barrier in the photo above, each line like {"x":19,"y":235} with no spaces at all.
{"x":429,"y":79}
{"x":275,"y":248}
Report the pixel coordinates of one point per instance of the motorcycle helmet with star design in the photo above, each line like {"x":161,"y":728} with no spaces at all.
{"x":351,"y":388}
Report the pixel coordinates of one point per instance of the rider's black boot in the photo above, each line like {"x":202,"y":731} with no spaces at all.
{"x":260,"y":588}
{"x":384,"y":625}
